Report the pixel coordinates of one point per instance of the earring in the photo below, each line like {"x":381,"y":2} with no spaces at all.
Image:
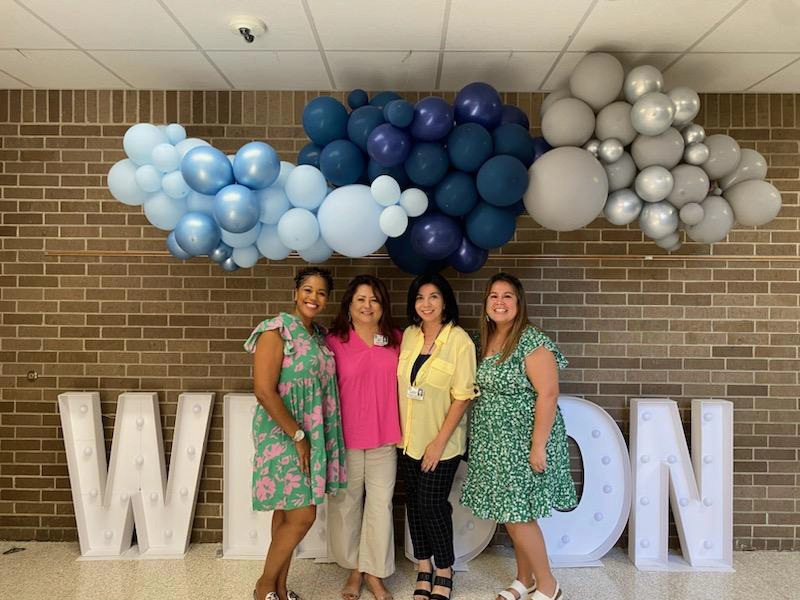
{"x":487,"y":318}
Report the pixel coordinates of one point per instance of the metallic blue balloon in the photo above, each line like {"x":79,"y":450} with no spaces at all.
{"x":175,"y":249}
{"x":468,"y":257}
{"x":206,"y":170}
{"x":388,"y":146}
{"x":427,"y":164}
{"x":229,"y":265}
{"x":256,"y":165}
{"x":221,"y":253}
{"x":436,"y":236}
{"x":383,"y":98}
{"x":469,"y":146}
{"x":433,"y":119}
{"x":361,"y":123}
{"x":325,"y":120}
{"x":512,"y":114}
{"x":399,"y":113}
{"x":490,"y":227}
{"x":309,"y":155}
{"x":197,"y":233}
{"x":478,"y":103}
{"x":357,"y":98}
{"x":236,"y":208}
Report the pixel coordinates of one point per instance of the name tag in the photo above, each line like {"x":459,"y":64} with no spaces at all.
{"x":415,"y":393}
{"x":380,"y":340}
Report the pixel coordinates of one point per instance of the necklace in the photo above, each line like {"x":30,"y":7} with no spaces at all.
{"x":429,"y":346}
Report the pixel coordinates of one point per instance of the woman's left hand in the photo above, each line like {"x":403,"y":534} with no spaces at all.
{"x":538,"y":459}
{"x":433,"y":452}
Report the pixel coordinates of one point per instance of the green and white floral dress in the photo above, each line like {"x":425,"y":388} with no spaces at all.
{"x":501,"y":484}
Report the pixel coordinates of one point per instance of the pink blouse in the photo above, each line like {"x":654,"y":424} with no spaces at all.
{"x":367,"y":392}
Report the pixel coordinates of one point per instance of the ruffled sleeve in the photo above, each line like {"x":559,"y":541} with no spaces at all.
{"x":532,"y":338}
{"x":276,"y":323}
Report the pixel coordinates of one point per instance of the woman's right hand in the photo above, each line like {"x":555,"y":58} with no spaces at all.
{"x":304,"y":454}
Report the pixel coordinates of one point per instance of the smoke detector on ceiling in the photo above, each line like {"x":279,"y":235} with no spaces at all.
{"x":248,"y":27}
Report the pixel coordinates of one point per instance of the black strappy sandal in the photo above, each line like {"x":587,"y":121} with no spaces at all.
{"x":424,"y":576}
{"x":445,"y":582}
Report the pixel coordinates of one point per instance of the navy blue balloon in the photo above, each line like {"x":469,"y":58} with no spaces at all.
{"x":502,"y":180}
{"x":513,"y":139}
{"x":341,"y":162}
{"x":513,"y":114}
{"x":436,"y":236}
{"x":309,"y":155}
{"x":478,"y":103}
{"x":399,"y":113}
{"x":490,"y":227}
{"x":468,"y":257}
{"x":518,"y":207}
{"x":325,"y":120}
{"x":469,"y":146}
{"x":457,"y":194}
{"x":206,"y":170}
{"x":397,"y":172}
{"x":361,"y":123}
{"x":403,"y":255}
{"x":540,"y":146}
{"x":427,"y":164}
{"x":433,"y":119}
{"x":383,"y":98}
{"x":388,"y":146}
{"x":357,"y":98}
{"x":175,"y":249}
{"x":197,"y":233}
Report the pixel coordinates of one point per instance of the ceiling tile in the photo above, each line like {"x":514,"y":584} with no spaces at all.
{"x":113,"y":24}
{"x":384,"y":70}
{"x":786,"y":81}
{"x":513,"y":24}
{"x":302,"y":70}
{"x":759,"y":26}
{"x":54,"y":69}
{"x":162,"y":70}
{"x":367,"y":24}
{"x":9,"y":83}
{"x":560,"y":75}
{"x":723,"y":72}
{"x":506,"y":71}
{"x":208,"y":22}
{"x":20,"y":29}
{"x":635,"y":25}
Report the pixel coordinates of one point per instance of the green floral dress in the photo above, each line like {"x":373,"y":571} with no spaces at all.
{"x":308,"y":388}
{"x":501,"y":484}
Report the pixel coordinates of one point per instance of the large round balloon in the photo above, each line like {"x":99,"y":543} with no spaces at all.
{"x":122,"y":183}
{"x":427,"y":164}
{"x":568,"y":122}
{"x":478,"y":103}
{"x":664,"y":150}
{"x":502,"y":180}
{"x":469,"y":146}
{"x":513,"y":114}
{"x":658,"y":219}
{"x":398,"y":173}
{"x":723,"y":156}
{"x":717,"y":221}
{"x":690,"y":184}
{"x":751,"y":166}
{"x":754,"y":202}
{"x":349,"y":221}
{"x":236,"y":208}
{"x":309,"y":155}
{"x":256,"y":165}
{"x":164,"y":212}
{"x":552,"y":98}
{"x":140,"y":140}
{"x":325,"y":120}
{"x":614,"y":121}
{"x":435,"y":236}
{"x":597,"y":79}
{"x":622,"y":207}
{"x":341,"y":162}
{"x":361,"y":123}
{"x":468,"y":257}
{"x":197,"y":233}
{"x":206,"y":170}
{"x":298,"y":229}
{"x":433,"y":119}
{"x":567,"y":190}
{"x":653,"y":184}
{"x":388,"y":146}
{"x":514,"y":140}
{"x":652,"y":114}
{"x":457,"y":194}
{"x":404,"y":256}
{"x":489,"y":226}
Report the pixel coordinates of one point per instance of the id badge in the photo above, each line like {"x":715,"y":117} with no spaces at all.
{"x":415,"y":393}
{"x":380,"y":340}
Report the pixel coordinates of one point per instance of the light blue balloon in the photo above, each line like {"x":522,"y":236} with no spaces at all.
{"x":286,"y":168}
{"x":206,"y":169}
{"x":197,"y":202}
{"x":175,"y":249}
{"x":236,"y":208}
{"x":166,"y":158}
{"x":184,"y":146}
{"x":140,"y":140}
{"x":246,"y":257}
{"x":270,"y":245}
{"x":197,"y":233}
{"x":122,"y":183}
{"x":148,"y":178}
{"x":298,"y":229}
{"x":164,"y":212}
{"x":349,"y":221}
{"x":318,"y":253}
{"x":273,"y":203}
{"x":175,"y":133}
{"x":231,"y":158}
{"x":256,"y":165}
{"x":229,"y":265}
{"x":240,"y":240}
{"x":174,"y":185}
{"x":306,"y":187}
{"x":221,"y":253}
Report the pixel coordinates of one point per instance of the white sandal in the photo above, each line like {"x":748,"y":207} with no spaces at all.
{"x":557,"y":595}
{"x":517,"y":586}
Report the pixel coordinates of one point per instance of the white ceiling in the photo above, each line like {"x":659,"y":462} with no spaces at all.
{"x":516,"y":45}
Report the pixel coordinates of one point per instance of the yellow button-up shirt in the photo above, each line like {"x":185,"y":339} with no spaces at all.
{"x":447,"y":376}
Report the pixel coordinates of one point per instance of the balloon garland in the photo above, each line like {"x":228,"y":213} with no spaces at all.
{"x":441,"y":185}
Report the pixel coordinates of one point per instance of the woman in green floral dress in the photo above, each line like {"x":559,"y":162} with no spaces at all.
{"x":518,"y":468}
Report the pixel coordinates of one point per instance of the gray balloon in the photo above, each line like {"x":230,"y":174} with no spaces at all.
{"x":653,"y":184}
{"x":622,"y":207}
{"x":754,"y":202}
{"x":610,"y":150}
{"x":687,"y":104}
{"x":674,"y":248}
{"x":669,"y":241}
{"x":693,"y":133}
{"x":568,"y":122}
{"x":568,"y":189}
{"x":652,"y":114}
{"x":717,"y":221}
{"x":723,"y":156}
{"x":751,"y":166}
{"x":690,"y":185}
{"x":597,"y":79}
{"x":717,"y":191}
{"x":614,"y":121}
{"x":691,"y":213}
{"x":695,"y":153}
{"x":552,"y":98}
{"x":664,"y":150}
{"x":658,"y":220}
{"x":620,"y":173}
{"x":642,"y":80}
{"x":592,"y":146}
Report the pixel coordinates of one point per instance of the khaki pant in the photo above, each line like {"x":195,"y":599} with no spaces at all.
{"x":361,"y":531}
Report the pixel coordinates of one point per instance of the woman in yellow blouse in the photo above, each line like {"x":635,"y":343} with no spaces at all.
{"x":436,"y":381}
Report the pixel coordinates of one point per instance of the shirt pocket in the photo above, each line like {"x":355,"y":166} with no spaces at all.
{"x":440,"y":375}
{"x":402,"y":363}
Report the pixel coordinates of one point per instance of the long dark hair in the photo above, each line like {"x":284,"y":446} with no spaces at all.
{"x":341,"y":323}
{"x":450,"y":310}
{"x":520,"y":324}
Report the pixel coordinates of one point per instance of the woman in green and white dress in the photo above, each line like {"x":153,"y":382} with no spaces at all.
{"x":518,"y":468}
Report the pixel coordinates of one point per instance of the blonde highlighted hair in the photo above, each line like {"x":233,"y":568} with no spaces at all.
{"x":519,"y":325}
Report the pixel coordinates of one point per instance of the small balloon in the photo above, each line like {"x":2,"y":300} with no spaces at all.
{"x":568,"y":122}
{"x":174,"y":185}
{"x":122,"y":183}
{"x":513,"y":140}
{"x":489,"y":226}
{"x":221,"y":253}
{"x":670,"y":241}
{"x":693,"y":133}
{"x":691,"y":213}
{"x":283,"y":175}
{"x":620,"y":173}
{"x":610,"y":150}
{"x":385,"y":191}
{"x":754,"y":202}
{"x":393,"y":221}
{"x":175,"y":133}
{"x":242,"y":240}
{"x":552,"y":98}
{"x":513,"y":114}
{"x":388,"y":146}
{"x":341,"y":162}
{"x":309,"y":155}
{"x":361,"y":123}
{"x":140,"y":140}
{"x":664,"y":150}
{"x":272,"y":202}
{"x":349,"y":221}
{"x":166,"y":158}
{"x":229,"y":265}
{"x":427,"y":163}
{"x":414,"y":201}
{"x":306,"y":187}
{"x":695,"y":153}
{"x":593,"y":145}
{"x":164,"y":212}
{"x":717,"y":221}
{"x":184,"y":146}
{"x":597,"y":79}
{"x":383,"y":98}
{"x":245,"y":257}
{"x":724,"y":155}
{"x":457,"y":194}
{"x":752,"y":165}
{"x":502,"y":180}
{"x":469,"y":146}
{"x":318,"y":253}
{"x":357,"y":98}
{"x":468,"y":257}
{"x":690,"y":185}
{"x":614,"y":121}
{"x":197,"y":202}
{"x":436,"y":236}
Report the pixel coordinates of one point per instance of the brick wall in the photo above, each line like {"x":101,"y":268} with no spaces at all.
{"x":121,"y":315}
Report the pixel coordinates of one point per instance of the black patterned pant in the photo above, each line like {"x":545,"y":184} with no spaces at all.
{"x":429,"y":512}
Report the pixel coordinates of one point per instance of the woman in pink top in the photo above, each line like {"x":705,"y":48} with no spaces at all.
{"x":367,"y":345}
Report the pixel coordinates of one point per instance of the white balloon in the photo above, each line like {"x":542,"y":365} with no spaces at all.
{"x":393,"y":221}
{"x":552,"y":98}
{"x":597,"y":79}
{"x":414,"y":201}
{"x":385,"y":190}
{"x":568,"y":122}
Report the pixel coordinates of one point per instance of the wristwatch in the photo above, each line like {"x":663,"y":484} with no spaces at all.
{"x":299,"y":436}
